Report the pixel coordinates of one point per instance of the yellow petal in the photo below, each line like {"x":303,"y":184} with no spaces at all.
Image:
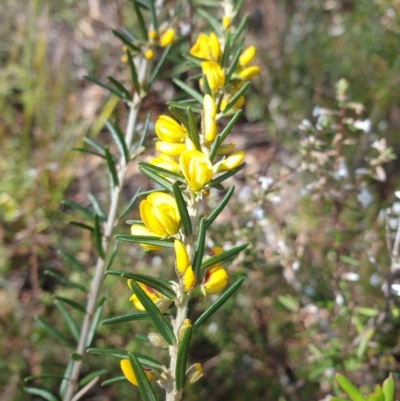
{"x":232,"y":161}
{"x":182,"y":257}
{"x":169,"y":130}
{"x":128,"y":371}
{"x":148,"y":54}
{"x":214,"y":74}
{"x":189,"y":279}
{"x":196,"y":168}
{"x":137,"y":229}
{"x":209,"y":123}
{"x":247,"y":56}
{"x":166,"y":162}
{"x":206,"y":47}
{"x":167,"y":38}
{"x":170,"y":149}
{"x":249,"y":72}
{"x":215,"y":280}
{"x":149,"y":219}
{"x":226,"y":22}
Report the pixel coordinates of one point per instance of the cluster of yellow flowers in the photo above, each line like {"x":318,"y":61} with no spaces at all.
{"x":180,"y":155}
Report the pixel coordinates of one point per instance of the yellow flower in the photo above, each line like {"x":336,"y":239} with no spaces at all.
{"x":230,"y":162}
{"x":249,"y":72}
{"x":148,"y":54}
{"x":209,"y":123}
{"x":169,"y":130}
{"x":129,"y":374}
{"x":206,"y":47}
{"x":152,"y":34}
{"x":166,"y":162}
{"x":226,"y":22}
{"x":182,"y":257}
{"x":216,"y":250}
{"x":153,"y":295}
{"x":159,"y":213}
{"x":167,"y":38}
{"x":188,"y":279}
{"x":196,"y":168}
{"x":226,"y":99}
{"x":247,"y":56}
{"x":170,"y":149}
{"x":215,"y":280}
{"x":214,"y":74}
{"x":138,"y":229}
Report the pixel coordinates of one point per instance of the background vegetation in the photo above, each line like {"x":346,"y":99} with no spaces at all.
{"x":321,"y":259}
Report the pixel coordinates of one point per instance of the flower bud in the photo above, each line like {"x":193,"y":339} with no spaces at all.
{"x":247,"y":56}
{"x":226,"y":22}
{"x":182,"y":258}
{"x":209,"y":123}
{"x":167,"y":38}
{"x":152,"y":34}
{"x":194,"y":373}
{"x":148,"y":54}
{"x":249,"y":72}
{"x":186,"y":323}
{"x":157,"y":340}
{"x":188,"y":279}
{"x":232,"y":161}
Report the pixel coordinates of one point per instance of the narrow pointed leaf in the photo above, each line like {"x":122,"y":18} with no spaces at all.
{"x":158,"y":284}
{"x":215,"y":213}
{"x":91,"y":376}
{"x":119,"y":139}
{"x":80,"y":208}
{"x":83,"y":150}
{"x":227,"y":50}
{"x":337,"y":399}
{"x":145,"y":193}
{"x":145,"y":131}
{"x":112,"y":256}
{"x":223,"y":256}
{"x":183,"y":212}
{"x":142,"y":337}
{"x":143,"y":3}
{"x":98,"y":239}
{"x":129,"y":317}
{"x":388,"y":388}
{"x":183,"y":353}
{"x":94,"y":145}
{"x":206,"y":85}
{"x":156,"y":316}
{"x":125,"y":40}
{"x":153,"y":14}
{"x":143,"y":239}
{"x":134,"y":75}
{"x":105,"y":86}
{"x":190,"y":91}
{"x":199,"y":251}
{"x":73,"y":328}
{"x":64,"y":280}
{"x":215,"y":147}
{"x":72,"y":261}
{"x":181,"y":117}
{"x":64,"y":383}
{"x":120,"y":87}
{"x":183,"y":104}
{"x":81,"y":225}
{"x":93,"y":326}
{"x":118,"y":379}
{"x":349,"y":388}
{"x":129,"y":205}
{"x":79,"y":307}
{"x":230,"y":125}
{"x":130,"y":222}
{"x":163,"y":171}
{"x":54,"y":332}
{"x":46,"y":395}
{"x":193,"y":60}
{"x":111,"y":167}
{"x":240,"y":28}
{"x":156,"y":178}
{"x":226,"y":175}
{"x":218,"y":303}
{"x":193,"y":132}
{"x":234,"y":63}
{"x":42,"y":376}
{"x":130,"y":35}
{"x":158,"y":66}
{"x":212,"y":20}
{"x":145,"y":389}
{"x":97,"y":207}
{"x":141,"y":22}
{"x":236,"y":97}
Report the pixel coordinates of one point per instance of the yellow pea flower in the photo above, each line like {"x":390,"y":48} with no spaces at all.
{"x":226,"y":22}
{"x":226,"y":99}
{"x":167,"y":38}
{"x":169,"y":130}
{"x":196,"y":168}
{"x":215,"y":250}
{"x":148,"y":54}
{"x":137,"y":229}
{"x":188,"y":279}
{"x":214,"y":74}
{"x":206,"y":47}
{"x":129,"y":374}
{"x":215,"y":280}
{"x":159,"y":213}
{"x":166,"y":162}
{"x":230,"y":162}
{"x":153,"y":295}
{"x":247,"y":56}
{"x":182,"y":257}
{"x":209,"y":123}
{"x":170,"y":149}
{"x":249,"y":72}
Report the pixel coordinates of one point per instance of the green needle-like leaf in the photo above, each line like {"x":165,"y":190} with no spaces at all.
{"x":93,"y":325}
{"x":337,"y":399}
{"x":183,"y":212}
{"x":206,"y":85}
{"x":223,"y":256}
{"x":72,"y":261}
{"x":156,"y":178}
{"x":212,"y":20}
{"x":97,"y":207}
{"x":105,"y":86}
{"x":111,"y":167}
{"x":388,"y":388}
{"x":41,"y":393}
{"x":91,"y":376}
{"x":119,"y":139}
{"x":230,"y":125}
{"x":145,"y":389}
{"x":125,"y":40}
{"x":193,"y":132}
{"x":215,"y":147}
{"x":227,"y":50}
{"x":112,"y":256}
{"x":98,"y":238}
{"x":156,"y":316}
{"x":181,"y":117}
{"x":129,"y":317}
{"x":42,"y":376}
{"x":163,"y":171}
{"x":143,"y":239}
{"x":240,"y":28}
{"x":145,"y":130}
{"x":199,"y":251}
{"x":349,"y":388}
{"x":64,"y":383}
{"x":153,"y":13}
{"x":158,"y":284}
{"x":190,"y":91}
{"x":81,"y":225}
{"x":73,"y":328}
{"x":54,"y":332}
{"x":80,"y":208}
{"x":236,"y":97}
{"x":120,"y":87}
{"x":218,"y":303}
{"x":183,"y":353}
{"x":118,"y":379}
{"x":129,"y":205}
{"x":79,"y":307}
{"x":140,"y":18}
{"x":158,"y":66}
{"x":83,"y":150}
{"x":134,"y":75}
{"x":94,"y":145}
{"x":215,"y":213}
{"x":232,"y":67}
{"x":64,"y":280}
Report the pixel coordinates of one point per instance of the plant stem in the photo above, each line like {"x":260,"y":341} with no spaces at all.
{"x":106,"y":240}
